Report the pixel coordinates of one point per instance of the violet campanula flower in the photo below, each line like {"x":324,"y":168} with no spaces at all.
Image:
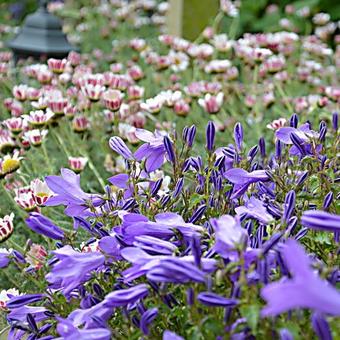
{"x":215,"y":300}
{"x":123,"y":297}
{"x":242,"y":179}
{"x":147,"y":318}
{"x":299,"y":138}
{"x":255,"y":209}
{"x":67,"y":191}
{"x":321,"y":220}
{"x":21,"y":300}
{"x":304,"y":290}
{"x":118,"y":145}
{"x":44,"y":226}
{"x":73,"y":268}
{"x":4,"y":257}
{"x":153,"y":150}
{"x":228,"y":233}
{"x":69,"y":332}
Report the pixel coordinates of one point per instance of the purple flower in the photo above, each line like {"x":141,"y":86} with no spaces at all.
{"x":321,"y":220}
{"x":169,"y":149}
{"x":118,"y":145}
{"x":87,"y":316}
{"x":238,"y":136}
{"x":228,"y":233}
{"x":321,"y":327}
{"x":153,"y":150}
{"x":21,"y":300}
{"x":20,"y":314}
{"x":42,"y":225}
{"x":67,"y":191}
{"x":215,"y":300}
{"x":289,"y":205}
{"x":304,"y":290}
{"x":255,"y":209}
{"x":242,"y":179}
{"x":4,"y":257}
{"x":210,"y":136}
{"x":73,"y":268}
{"x":69,"y":332}
{"x":147,"y":318}
{"x":123,"y":297}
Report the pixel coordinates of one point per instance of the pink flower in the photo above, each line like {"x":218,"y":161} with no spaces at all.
{"x":40,"y":191}
{"x":57,"y":65}
{"x":277,"y":124}
{"x":77,"y":164}
{"x":6,"y":227}
{"x":112,"y":99}
{"x":211,"y":104}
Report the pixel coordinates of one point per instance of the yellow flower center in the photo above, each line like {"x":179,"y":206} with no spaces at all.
{"x":10,"y":165}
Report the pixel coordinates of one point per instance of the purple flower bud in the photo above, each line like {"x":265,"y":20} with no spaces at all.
{"x":165,"y":200}
{"x":302,"y":178}
{"x":45,"y":328}
{"x":147,"y":318}
{"x":335,"y":121}
{"x":238,"y":136}
{"x":271,"y":243}
{"x":262,"y":146}
{"x":98,"y":290}
{"x":302,"y":233}
{"x":198,"y":213}
{"x":252,"y":153}
{"x":323,"y":161}
{"x":298,"y":143}
{"x":322,"y":134}
{"x":191,"y":135}
{"x":196,"y":250}
{"x":291,"y":225}
{"x":210,"y":136}
{"x":169,"y":149}
{"x":22,"y":300}
{"x":328,"y":200}
{"x":185,"y":133}
{"x":31,"y":322}
{"x":42,"y":225}
{"x":118,"y":145}
{"x":294,"y":120}
{"x":18,"y":256}
{"x":178,"y":187}
{"x":278,"y":149}
{"x":155,"y":186}
{"x":321,"y":327}
{"x":289,"y":205}
{"x":190,"y":296}
{"x":215,"y":300}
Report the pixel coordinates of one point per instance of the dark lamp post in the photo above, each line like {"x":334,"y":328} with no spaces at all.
{"x":41,"y":35}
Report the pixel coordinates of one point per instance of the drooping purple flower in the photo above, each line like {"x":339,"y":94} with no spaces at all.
{"x":304,"y":290}
{"x":242,"y":179}
{"x":118,"y":145}
{"x":238,"y":136}
{"x":254,"y":208}
{"x":321,"y":327}
{"x":21,"y":300}
{"x":321,"y":220}
{"x":44,"y":226}
{"x":73,"y":268}
{"x":4,"y":257}
{"x":69,"y":332}
{"x":215,"y":300}
{"x":153,"y":151}
{"x":67,"y":191}
{"x":87,"y":317}
{"x":210,"y":136}
{"x":228,"y":233}
{"x":147,"y":318}
{"x":123,"y":297}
